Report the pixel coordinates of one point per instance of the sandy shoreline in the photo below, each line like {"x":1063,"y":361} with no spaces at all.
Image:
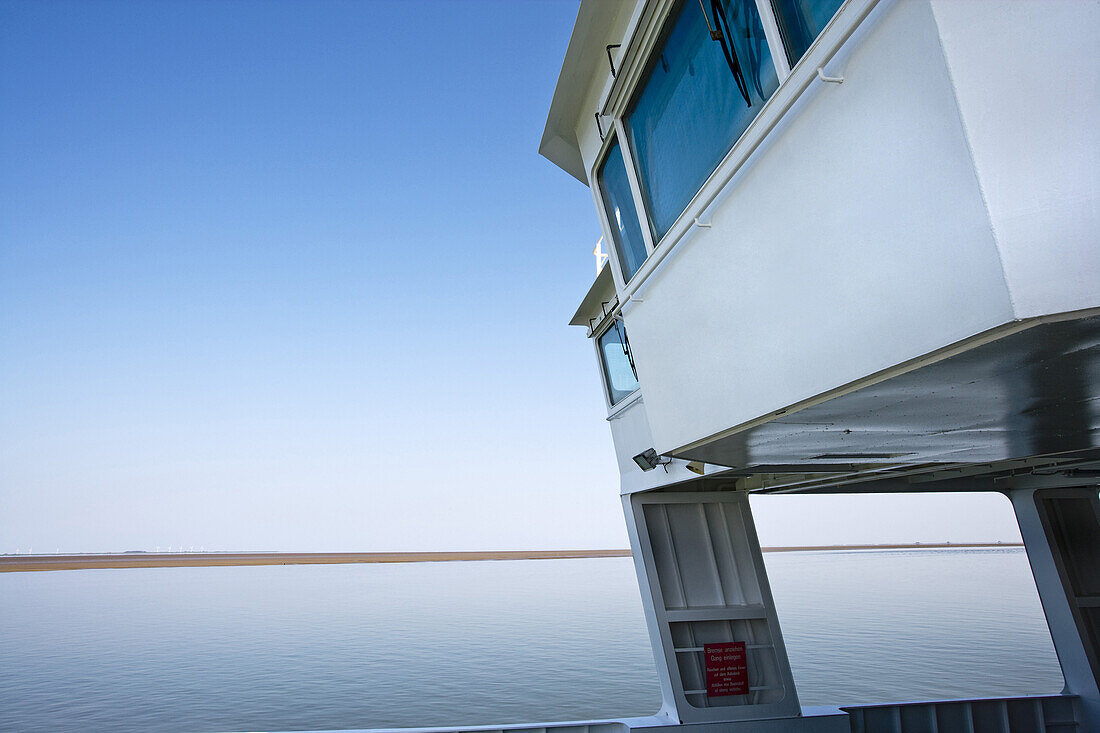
{"x":26,"y":563}
{"x":16,"y":563}
{"x":916,"y":546}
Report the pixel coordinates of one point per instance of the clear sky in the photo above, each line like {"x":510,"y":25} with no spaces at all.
{"x":292,"y":276}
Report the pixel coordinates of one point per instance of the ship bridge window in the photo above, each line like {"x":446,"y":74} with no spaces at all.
{"x":801,"y":21}
{"x":697,"y":97}
{"x":622,"y":217}
{"x":618,"y":365}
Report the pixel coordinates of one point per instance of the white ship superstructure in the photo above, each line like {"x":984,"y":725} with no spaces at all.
{"x":854,"y":247}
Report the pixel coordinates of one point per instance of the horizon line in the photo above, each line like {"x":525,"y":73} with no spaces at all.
{"x":145,"y":559}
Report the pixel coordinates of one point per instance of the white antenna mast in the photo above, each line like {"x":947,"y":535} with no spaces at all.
{"x":601,"y":256}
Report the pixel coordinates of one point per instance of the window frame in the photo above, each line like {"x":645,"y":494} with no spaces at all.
{"x":772,"y":35}
{"x":616,"y":134}
{"x":612,"y":407}
{"x":783,"y":44}
{"x":661,"y":21}
{"x":648,"y":28}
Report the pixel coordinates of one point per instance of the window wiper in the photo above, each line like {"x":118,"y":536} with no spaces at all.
{"x":626,"y":347}
{"x":753,"y":44}
{"x":727,"y":47}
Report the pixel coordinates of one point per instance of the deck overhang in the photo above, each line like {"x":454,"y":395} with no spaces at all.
{"x":1032,"y":393}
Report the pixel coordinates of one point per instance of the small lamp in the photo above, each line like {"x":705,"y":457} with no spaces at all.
{"x":648,"y":460}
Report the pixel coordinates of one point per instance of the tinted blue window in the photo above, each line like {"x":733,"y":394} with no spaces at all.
{"x":621,"y":213}
{"x":698,"y":96}
{"x":801,"y":21}
{"x":617,"y":367}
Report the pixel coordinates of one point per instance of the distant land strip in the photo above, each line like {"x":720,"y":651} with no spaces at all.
{"x":916,"y":546}
{"x":25,"y":563}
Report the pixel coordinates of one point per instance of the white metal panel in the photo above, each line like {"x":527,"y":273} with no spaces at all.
{"x":703,"y":581}
{"x":1041,"y":714}
{"x":812,"y":720}
{"x":1038,"y":530}
{"x":631,"y":435}
{"x":1027,"y":79}
{"x":857,"y":239}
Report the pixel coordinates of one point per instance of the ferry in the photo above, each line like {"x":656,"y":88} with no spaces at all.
{"x":853,"y":247}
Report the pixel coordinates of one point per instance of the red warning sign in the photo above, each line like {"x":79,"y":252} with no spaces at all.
{"x":727,"y":671}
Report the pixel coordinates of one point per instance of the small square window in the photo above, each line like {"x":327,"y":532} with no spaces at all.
{"x":618,"y":366}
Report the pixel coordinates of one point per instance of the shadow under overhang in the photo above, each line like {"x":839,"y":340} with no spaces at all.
{"x":1031,"y":393}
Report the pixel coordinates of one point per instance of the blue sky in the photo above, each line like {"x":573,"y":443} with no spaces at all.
{"x":292,"y":276}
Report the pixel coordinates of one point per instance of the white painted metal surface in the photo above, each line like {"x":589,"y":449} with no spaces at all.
{"x":1061,"y":606}
{"x":1027,"y":83}
{"x":948,"y":187}
{"x":814,"y":720}
{"x":923,"y":179}
{"x":703,"y":582}
{"x":857,"y":240}
{"x":1049,"y":714}
{"x":631,"y":434}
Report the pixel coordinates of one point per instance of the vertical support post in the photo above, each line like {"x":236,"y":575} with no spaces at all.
{"x":703,"y":582}
{"x":638,"y":548}
{"x":1061,"y":533}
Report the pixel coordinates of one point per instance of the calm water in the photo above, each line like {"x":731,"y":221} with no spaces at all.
{"x":343,"y":646}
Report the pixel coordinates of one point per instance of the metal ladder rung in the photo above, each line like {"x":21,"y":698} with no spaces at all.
{"x":685,"y":649}
{"x":741,"y":612}
{"x":751,"y":689}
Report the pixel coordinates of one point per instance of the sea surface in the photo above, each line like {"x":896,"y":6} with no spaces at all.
{"x":422,"y":644}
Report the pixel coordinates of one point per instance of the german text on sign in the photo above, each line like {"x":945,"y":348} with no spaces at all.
{"x":727,"y":671}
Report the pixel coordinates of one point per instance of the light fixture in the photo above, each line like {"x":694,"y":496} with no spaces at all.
{"x":648,"y":460}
